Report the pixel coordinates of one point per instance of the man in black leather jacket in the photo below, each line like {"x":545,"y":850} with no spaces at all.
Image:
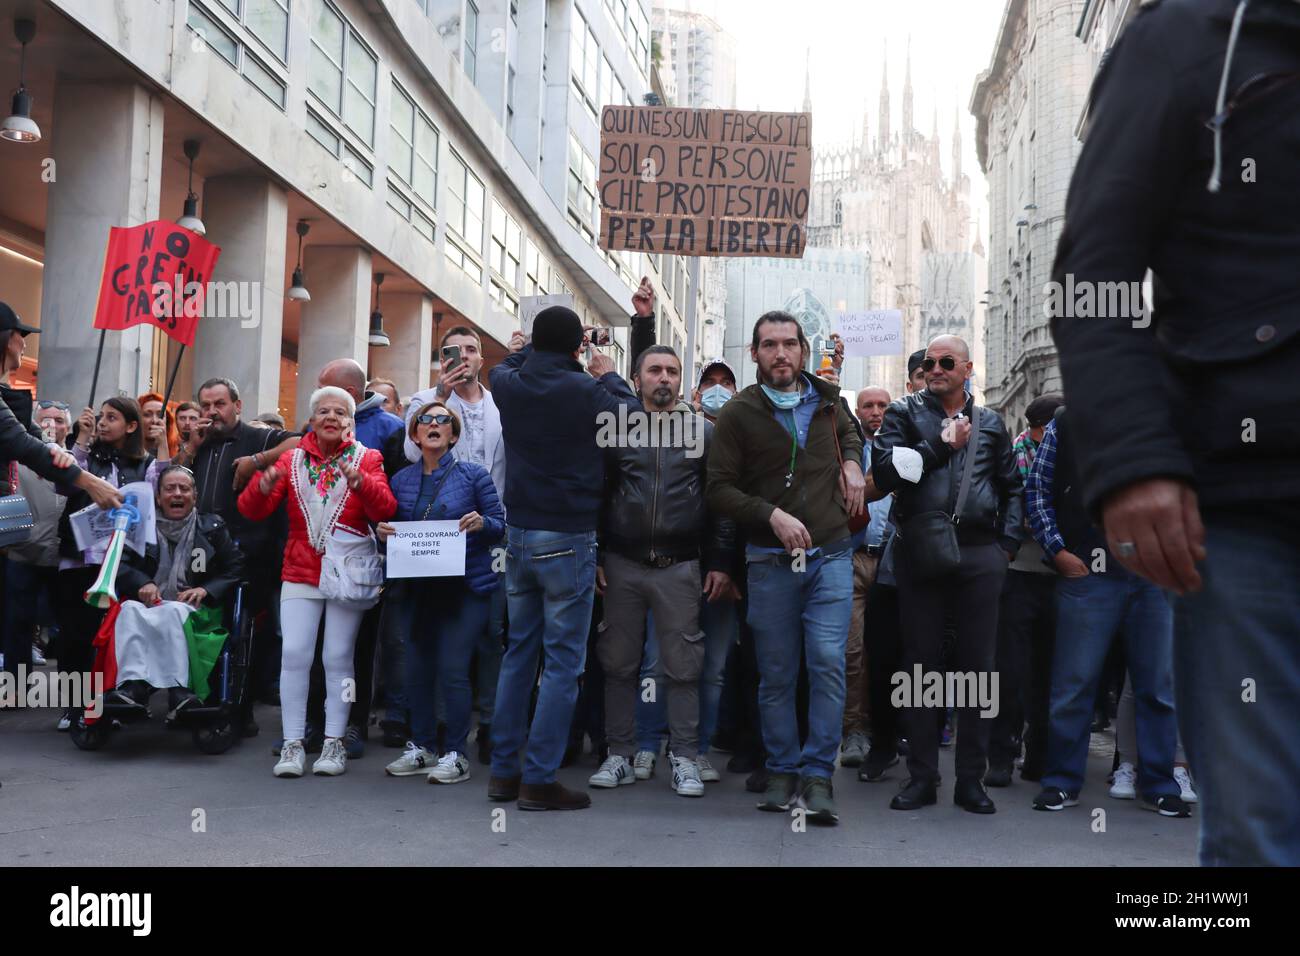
{"x":656,"y":531}
{"x":935,"y":426}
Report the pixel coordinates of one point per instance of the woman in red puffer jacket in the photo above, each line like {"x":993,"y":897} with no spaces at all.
{"x":334,"y":488}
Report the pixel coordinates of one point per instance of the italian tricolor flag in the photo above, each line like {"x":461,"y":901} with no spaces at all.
{"x":168,"y":645}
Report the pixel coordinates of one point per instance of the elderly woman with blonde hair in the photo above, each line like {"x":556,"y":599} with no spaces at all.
{"x":334,"y":489}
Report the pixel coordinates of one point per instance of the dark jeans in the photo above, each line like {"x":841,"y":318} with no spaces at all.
{"x":883,"y":641}
{"x":443,"y":635}
{"x":21,"y":587}
{"x":1026,"y":633}
{"x":970,"y":594}
{"x":1237,"y":676}
{"x":78,"y":621}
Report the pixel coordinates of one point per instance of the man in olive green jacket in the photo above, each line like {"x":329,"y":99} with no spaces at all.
{"x":785,"y":465}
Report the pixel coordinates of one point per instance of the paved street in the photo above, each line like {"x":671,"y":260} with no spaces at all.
{"x":135,"y":800}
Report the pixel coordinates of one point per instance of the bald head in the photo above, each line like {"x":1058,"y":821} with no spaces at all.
{"x":872,"y":402}
{"x":953,"y":344}
{"x":345,"y":374}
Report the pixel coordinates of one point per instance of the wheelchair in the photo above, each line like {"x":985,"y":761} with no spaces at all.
{"x":214,"y":723}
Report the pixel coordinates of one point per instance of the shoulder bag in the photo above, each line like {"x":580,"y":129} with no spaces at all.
{"x":928,"y":541}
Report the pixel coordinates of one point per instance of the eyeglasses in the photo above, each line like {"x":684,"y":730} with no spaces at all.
{"x":430,"y":419}
{"x":947,"y":363}
{"x":61,"y":406}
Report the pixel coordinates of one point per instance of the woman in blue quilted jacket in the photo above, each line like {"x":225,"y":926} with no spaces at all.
{"x":449,"y":612}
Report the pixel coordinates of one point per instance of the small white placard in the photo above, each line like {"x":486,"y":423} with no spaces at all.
{"x":426,"y":549}
{"x":92,"y":526}
{"x":530,"y":305}
{"x":871,"y":333}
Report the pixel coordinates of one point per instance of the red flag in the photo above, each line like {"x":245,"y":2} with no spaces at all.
{"x":157,"y":272}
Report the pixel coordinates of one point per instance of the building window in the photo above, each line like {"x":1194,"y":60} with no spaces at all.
{"x":510,"y":102}
{"x":464,"y":218}
{"x":413,"y":162}
{"x":343,"y":73}
{"x":584,"y":66}
{"x":234,"y":29}
{"x":581,"y":192}
{"x":638,"y":40}
{"x":506,"y":240}
{"x":471,"y":41}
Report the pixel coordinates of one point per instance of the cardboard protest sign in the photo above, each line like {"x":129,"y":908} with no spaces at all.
{"x":704,"y":182}
{"x":531,"y":305}
{"x":156,"y":272}
{"x":426,"y":549}
{"x":871,"y":333}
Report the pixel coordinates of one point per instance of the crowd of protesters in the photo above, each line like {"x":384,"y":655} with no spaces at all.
{"x":754,"y":586}
{"x":783,"y":581}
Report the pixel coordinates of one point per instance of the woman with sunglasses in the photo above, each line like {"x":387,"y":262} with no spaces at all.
{"x":449,"y":613}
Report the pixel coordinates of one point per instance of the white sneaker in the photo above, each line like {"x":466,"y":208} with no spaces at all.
{"x":65,"y":722}
{"x":614,"y":772}
{"x":686,"y":777}
{"x":707,"y":772}
{"x":293,"y":759}
{"x":643,"y":764}
{"x":414,"y":760}
{"x":38,"y":659}
{"x":333,"y":759}
{"x":1124,"y":783}
{"x":1183,"y":778}
{"x":451,"y":767}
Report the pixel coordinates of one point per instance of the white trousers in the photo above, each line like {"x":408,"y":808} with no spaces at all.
{"x":300,"y":622}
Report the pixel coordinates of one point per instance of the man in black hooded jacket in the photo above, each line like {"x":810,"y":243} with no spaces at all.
{"x":1188,"y":421}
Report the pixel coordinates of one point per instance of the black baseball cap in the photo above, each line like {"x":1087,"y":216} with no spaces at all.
{"x":9,"y":321}
{"x":914,"y":361}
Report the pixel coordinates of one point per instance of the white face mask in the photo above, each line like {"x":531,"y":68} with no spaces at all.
{"x":715,"y":396}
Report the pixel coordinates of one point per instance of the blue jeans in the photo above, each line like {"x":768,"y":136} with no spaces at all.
{"x":721,"y":630}
{"x":792,"y":611}
{"x":491,"y":645}
{"x":550,"y":585}
{"x":438,"y":651}
{"x":1090,"y":612}
{"x":1244,"y":625}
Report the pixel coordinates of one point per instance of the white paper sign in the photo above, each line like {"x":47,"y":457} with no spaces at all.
{"x":92,"y":526}
{"x":530,"y":305}
{"x":871,"y":333}
{"x":426,"y":549}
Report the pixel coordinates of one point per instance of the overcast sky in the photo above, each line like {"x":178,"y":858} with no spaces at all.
{"x":951,"y":42}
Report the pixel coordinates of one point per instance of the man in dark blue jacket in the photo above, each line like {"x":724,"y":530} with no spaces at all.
{"x":1188,"y":420}
{"x":551,"y":412}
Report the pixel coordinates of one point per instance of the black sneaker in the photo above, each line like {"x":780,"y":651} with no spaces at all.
{"x":876,"y":765}
{"x":1168,"y":806}
{"x":396,"y":733}
{"x":1053,"y":799}
{"x":999,"y":776}
{"x":756,"y":782}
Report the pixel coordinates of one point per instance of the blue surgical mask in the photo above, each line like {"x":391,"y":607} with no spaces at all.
{"x":785,"y":400}
{"x":714,"y":397}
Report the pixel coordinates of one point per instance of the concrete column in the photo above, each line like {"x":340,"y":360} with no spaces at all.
{"x":239,"y":336}
{"x":408,"y":320}
{"x":336,"y":322}
{"x":106,"y":144}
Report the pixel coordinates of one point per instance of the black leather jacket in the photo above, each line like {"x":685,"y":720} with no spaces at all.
{"x":223,"y":564}
{"x":995,"y":503}
{"x":655,"y":505}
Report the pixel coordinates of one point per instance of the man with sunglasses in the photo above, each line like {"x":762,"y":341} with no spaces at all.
{"x":933,"y":429}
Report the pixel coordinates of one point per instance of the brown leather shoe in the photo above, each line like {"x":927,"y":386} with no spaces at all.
{"x":503,"y":789}
{"x":551,"y":796}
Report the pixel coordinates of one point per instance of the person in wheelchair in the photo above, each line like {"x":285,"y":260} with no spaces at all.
{"x":196,"y":563}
